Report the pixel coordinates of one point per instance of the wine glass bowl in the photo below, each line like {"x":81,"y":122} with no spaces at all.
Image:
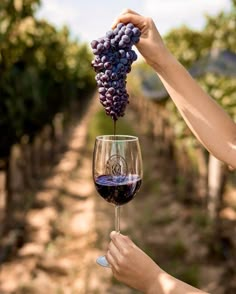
{"x":117,"y":172}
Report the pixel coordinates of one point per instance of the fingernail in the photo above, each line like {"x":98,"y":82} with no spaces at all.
{"x":113,"y":233}
{"x":113,"y":25}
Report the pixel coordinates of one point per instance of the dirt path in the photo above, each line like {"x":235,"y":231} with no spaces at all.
{"x":59,"y":255}
{"x":69,"y":225}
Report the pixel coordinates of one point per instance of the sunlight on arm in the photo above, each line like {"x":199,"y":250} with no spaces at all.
{"x":167,"y":283}
{"x":171,"y":285}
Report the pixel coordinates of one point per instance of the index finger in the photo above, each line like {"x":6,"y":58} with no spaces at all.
{"x":128,"y":16}
{"x":119,"y":240}
{"x":127,"y":10}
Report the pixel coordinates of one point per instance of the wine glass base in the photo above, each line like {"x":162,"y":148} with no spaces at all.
{"x":101,"y":260}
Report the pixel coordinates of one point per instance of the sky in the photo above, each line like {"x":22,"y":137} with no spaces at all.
{"x":88,"y":20}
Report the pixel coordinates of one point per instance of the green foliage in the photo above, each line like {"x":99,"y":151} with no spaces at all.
{"x":219,"y":32}
{"x":222,"y":89}
{"x":190,"y":46}
{"x":42,"y":71}
{"x":191,"y":275}
{"x":187,"y":45}
{"x":163,"y":219}
{"x":177,"y":248}
{"x":200,"y":218}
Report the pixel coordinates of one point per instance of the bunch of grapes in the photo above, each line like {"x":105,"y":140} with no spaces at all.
{"x":113,"y":59}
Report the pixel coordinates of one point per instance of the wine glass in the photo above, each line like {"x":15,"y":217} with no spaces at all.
{"x":117,"y":172}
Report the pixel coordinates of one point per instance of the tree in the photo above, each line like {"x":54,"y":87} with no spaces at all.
{"x":42,"y":71}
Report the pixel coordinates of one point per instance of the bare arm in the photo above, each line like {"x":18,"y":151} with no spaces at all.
{"x":207,"y":120}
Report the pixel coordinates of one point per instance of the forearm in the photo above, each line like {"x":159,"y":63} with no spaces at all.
{"x":165,"y":284}
{"x":207,"y":120}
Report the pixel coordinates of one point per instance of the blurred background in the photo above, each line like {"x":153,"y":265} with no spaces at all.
{"x":53,"y":224}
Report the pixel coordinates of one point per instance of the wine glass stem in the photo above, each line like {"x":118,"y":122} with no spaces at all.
{"x":117,"y":218}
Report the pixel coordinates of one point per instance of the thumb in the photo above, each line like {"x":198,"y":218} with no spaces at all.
{"x":113,"y":234}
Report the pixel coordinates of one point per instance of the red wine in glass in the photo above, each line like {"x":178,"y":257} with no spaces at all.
{"x":116,"y":189}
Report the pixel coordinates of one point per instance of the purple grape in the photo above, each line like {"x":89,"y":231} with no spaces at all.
{"x":124,"y":61}
{"x":102,"y":90}
{"x":109,"y":34}
{"x":136,"y":32}
{"x":108,"y":72}
{"x":114,"y":76}
{"x":126,"y":39}
{"x":121,"y":44}
{"x":112,"y":62}
{"x":100,"y":47}
{"x":135,"y":39}
{"x":129,"y":32}
{"x":94,"y":44}
{"x":107,"y":65}
{"x":120,"y":25}
{"x":122,"y":53}
{"x":130,"y":26}
{"x":107,"y":45}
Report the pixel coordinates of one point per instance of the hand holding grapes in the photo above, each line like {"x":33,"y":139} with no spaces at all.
{"x":150,"y":44}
